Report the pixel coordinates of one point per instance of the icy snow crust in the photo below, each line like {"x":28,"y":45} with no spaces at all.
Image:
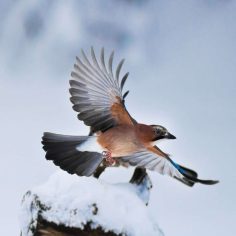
{"x":74,"y":201}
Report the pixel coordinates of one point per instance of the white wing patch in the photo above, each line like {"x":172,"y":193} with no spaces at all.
{"x":90,"y":145}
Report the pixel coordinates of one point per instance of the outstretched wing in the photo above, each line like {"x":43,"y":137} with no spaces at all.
{"x":152,"y":161}
{"x":97,"y":94}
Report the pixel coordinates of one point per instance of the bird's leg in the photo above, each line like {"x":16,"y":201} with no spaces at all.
{"x":109,"y":160}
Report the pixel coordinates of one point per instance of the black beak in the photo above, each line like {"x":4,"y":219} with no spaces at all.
{"x":170,"y":136}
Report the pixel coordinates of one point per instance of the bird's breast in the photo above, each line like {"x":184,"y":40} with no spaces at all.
{"x":120,"y":141}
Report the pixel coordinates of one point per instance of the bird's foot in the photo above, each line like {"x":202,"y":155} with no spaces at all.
{"x":109,"y":160}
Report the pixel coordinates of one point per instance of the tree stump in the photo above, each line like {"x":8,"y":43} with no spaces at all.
{"x":79,"y":206}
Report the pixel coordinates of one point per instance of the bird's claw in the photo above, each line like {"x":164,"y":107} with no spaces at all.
{"x":109,"y":160}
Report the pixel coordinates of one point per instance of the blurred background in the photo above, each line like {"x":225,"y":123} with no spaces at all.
{"x":181,"y":56}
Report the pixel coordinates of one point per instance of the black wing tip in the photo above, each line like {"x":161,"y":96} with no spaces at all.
{"x":185,"y":181}
{"x":201,"y":181}
{"x":208,"y":182}
{"x":125,"y":94}
{"x":191,"y":182}
{"x":192,"y":176}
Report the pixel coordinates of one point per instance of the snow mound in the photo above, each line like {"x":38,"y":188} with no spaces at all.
{"x":74,"y":201}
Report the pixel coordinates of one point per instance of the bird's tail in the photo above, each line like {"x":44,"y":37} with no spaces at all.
{"x":63,"y":151}
{"x":191,"y":177}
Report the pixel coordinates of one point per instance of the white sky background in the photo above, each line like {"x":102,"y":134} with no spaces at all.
{"x":182,"y":61}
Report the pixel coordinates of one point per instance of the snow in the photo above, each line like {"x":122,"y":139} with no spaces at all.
{"x":73,"y":201}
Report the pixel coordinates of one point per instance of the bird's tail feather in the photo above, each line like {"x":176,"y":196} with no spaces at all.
{"x":62,"y":150}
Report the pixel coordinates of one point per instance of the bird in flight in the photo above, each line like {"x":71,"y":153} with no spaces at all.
{"x":115,"y":136}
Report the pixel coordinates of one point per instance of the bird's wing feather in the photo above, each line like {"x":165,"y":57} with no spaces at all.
{"x":97,"y":94}
{"x":152,"y":161}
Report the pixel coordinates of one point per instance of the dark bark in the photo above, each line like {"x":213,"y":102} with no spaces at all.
{"x":45,"y":228}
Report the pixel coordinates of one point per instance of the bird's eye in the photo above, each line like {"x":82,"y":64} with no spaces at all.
{"x":158,"y":131}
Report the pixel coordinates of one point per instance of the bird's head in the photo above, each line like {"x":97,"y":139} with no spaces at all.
{"x":161,"y":133}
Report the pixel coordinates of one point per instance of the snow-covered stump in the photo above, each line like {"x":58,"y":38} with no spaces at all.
{"x":69,"y":205}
